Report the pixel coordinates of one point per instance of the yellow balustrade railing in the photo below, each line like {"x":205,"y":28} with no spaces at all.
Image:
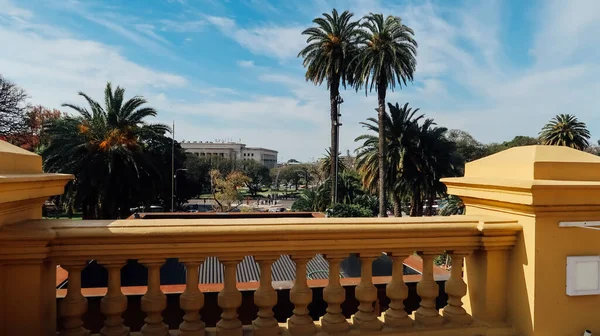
{"x":72,"y":244}
{"x":513,"y":280}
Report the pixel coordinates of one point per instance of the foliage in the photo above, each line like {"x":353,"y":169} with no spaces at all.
{"x":467,"y":148}
{"x":349,"y":187}
{"x":328,"y":56}
{"x":565,"y":130}
{"x":326,"y":162}
{"x":452,"y":205}
{"x":33,"y":136}
{"x":294,"y":174}
{"x":348,"y":210}
{"x":106,"y":148}
{"x":401,"y":126}
{"x":258,"y":175}
{"x":387,"y":57}
{"x":225,"y":190}
{"x":517,"y":141}
{"x":313,"y":200}
{"x":367,"y":201}
{"x":13,"y":109}
{"x":417,"y":156}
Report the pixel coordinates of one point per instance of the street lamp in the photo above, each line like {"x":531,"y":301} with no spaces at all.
{"x":175,"y":189}
{"x":339,"y":100}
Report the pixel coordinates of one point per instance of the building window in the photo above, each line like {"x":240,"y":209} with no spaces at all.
{"x":252,"y":154}
{"x":197,"y":154}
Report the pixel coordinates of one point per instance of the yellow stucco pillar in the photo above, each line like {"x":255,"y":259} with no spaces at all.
{"x":27,"y":277}
{"x":539,"y":186}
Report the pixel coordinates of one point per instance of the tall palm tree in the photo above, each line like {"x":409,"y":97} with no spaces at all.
{"x":327,"y":164}
{"x":402,"y":135}
{"x":327,"y":57}
{"x":106,"y":148}
{"x":437,"y":158}
{"x":387,"y":58}
{"x":565,"y":130}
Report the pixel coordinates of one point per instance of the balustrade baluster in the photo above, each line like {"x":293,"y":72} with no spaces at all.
{"x":428,"y":290}
{"x":301,"y":323}
{"x":229,"y":299}
{"x":114,"y":303}
{"x":154,"y":301}
{"x":456,"y":288}
{"x":334,"y":294}
{"x":265,"y":298}
{"x":191,"y":301}
{"x":397,"y":291}
{"x":366,"y":293}
{"x":74,"y":304}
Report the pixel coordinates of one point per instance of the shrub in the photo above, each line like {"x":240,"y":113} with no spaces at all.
{"x":348,"y":210}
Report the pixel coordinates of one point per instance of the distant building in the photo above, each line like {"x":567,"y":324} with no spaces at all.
{"x":232,"y":150}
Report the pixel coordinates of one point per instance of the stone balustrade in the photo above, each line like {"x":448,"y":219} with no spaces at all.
{"x":511,"y":247}
{"x":72,"y":244}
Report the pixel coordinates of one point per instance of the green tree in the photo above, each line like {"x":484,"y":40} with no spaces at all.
{"x":106,"y":148}
{"x":387,"y":58}
{"x":417,"y":156}
{"x":467,"y":148}
{"x":565,"y":130}
{"x":348,"y":210}
{"x":519,"y":140}
{"x":258,"y":174}
{"x":225,"y":190}
{"x":327,"y":164}
{"x":402,"y":133}
{"x":313,"y":200}
{"x":452,"y":205}
{"x":327,"y":57}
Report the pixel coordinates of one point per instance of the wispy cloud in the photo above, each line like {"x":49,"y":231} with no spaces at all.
{"x":183,"y":26}
{"x":245,"y":64}
{"x":148,"y":30}
{"x":279,"y":42}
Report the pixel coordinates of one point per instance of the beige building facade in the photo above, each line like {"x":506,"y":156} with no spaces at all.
{"x":232,"y":150}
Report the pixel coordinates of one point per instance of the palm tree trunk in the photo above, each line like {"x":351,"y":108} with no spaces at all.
{"x":430,"y":205}
{"x":333,"y":94}
{"x":397,"y":204}
{"x":381,"y":91}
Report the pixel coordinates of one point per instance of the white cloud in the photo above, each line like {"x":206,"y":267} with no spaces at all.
{"x":245,"y":64}
{"x":148,"y":30}
{"x":280,"y":42}
{"x":52,"y":70}
{"x":9,"y":9}
{"x":567,"y":30}
{"x":183,"y":26}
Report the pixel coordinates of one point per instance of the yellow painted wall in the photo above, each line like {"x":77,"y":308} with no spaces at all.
{"x":540,"y":186}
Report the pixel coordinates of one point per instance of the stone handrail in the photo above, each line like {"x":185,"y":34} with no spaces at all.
{"x":111,"y":243}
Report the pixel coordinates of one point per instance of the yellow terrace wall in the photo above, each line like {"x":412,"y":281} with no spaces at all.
{"x":522,"y":289}
{"x":540,"y":186}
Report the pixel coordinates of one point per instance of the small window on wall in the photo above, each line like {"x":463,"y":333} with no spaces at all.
{"x":252,"y":154}
{"x":197,"y":154}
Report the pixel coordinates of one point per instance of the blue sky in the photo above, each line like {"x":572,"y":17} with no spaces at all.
{"x":228,"y":68}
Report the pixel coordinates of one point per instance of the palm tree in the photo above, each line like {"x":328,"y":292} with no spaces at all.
{"x":401,"y":132}
{"x":314,"y":200}
{"x":327,"y":165}
{"x":327,"y":57}
{"x":437,"y":158}
{"x":106,"y":148}
{"x":565,"y":130}
{"x":452,"y":205}
{"x":387,"y":58}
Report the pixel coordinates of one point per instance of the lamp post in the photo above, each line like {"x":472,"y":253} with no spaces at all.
{"x":175,"y":189}
{"x":339,"y":100}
